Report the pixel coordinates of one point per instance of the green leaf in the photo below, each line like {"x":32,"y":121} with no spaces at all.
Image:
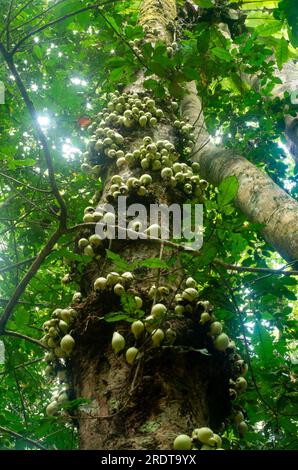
{"x":269,"y":28}
{"x":205,"y":3}
{"x":37,"y":51}
{"x":118,"y":316}
{"x":282,"y":52}
{"x":119,"y":262}
{"x":227,"y":191}
{"x":222,"y":54}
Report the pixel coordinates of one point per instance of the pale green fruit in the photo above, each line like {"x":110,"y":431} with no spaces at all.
{"x":62,"y":398}
{"x":77,"y":297}
{"x":215,"y":328}
{"x":190,"y":282}
{"x":52,"y":343}
{"x":63,"y":326}
{"x":221,"y":342}
{"x":170,"y":335}
{"x":83,"y":242}
{"x":137,"y":328}
{"x":179,"y":309}
{"x":166,"y":173}
{"x":157,"y":337}
{"x":205,"y":317}
{"x":113,"y":278}
{"x":100,"y":283}
{"x":242,"y":428}
{"x":138,"y":301}
{"x":127,"y":277}
{"x":118,"y":342}
{"x":150,"y":323}
{"x":190,"y":294}
{"x":59,"y":352}
{"x":88,"y":251}
{"x":52,"y":408}
{"x":109,"y":218}
{"x":67,"y":344}
{"x":95,"y":240}
{"x":238,"y":418}
{"x":202,"y":434}
{"x":88,"y":218}
{"x":182,"y":442}
{"x":218,"y":440}
{"x":131,"y":354}
{"x":119,"y":289}
{"x":158,"y":310}
{"x":241,"y":385}
{"x":143,"y":121}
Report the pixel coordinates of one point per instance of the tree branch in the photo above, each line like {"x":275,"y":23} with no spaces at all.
{"x":58,"y":20}
{"x":19,"y":436}
{"x":39,"y":133}
{"x":15,"y":334}
{"x":28,"y":276}
{"x":16,"y":265}
{"x":181,"y":247}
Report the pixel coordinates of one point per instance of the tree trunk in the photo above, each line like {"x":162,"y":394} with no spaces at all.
{"x":170,"y":389}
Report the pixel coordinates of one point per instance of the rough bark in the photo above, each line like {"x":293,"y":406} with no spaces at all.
{"x":170,"y":390}
{"x":258,"y":197}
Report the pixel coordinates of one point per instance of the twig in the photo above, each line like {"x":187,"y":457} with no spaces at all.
{"x":16,"y":265}
{"x":23,"y":438}
{"x":15,"y":334}
{"x":24,"y":184}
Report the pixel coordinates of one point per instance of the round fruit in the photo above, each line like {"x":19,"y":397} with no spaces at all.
{"x":67,"y":344}
{"x":95,"y":240}
{"x":190,"y":282}
{"x":157,"y":337}
{"x":77,"y":297}
{"x":119,"y":289}
{"x":217,"y":439}
{"x":202,"y":434}
{"x":83,"y":242}
{"x":113,"y":278}
{"x":150,"y":323}
{"x":190,"y":294}
{"x":131,"y":354}
{"x":242,"y":428}
{"x":182,"y":442}
{"x":63,"y":326}
{"x":215,"y":328}
{"x":138,"y":301}
{"x":170,"y":335}
{"x":100,"y":283}
{"x":109,"y":218}
{"x":158,"y":310}
{"x":127,"y":277}
{"x":241,"y":385}
{"x":221,"y":342}
{"x":137,"y":328}
{"x":88,"y":251}
{"x":52,"y":408}
{"x":118,"y":342}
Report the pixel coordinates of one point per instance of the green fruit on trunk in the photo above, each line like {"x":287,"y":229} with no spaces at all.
{"x":182,"y":442}
{"x":118,"y":342}
{"x":131,"y":354}
{"x":67,"y":344}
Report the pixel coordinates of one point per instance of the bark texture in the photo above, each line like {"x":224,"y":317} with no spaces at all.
{"x":169,"y":390}
{"x":259,"y":198}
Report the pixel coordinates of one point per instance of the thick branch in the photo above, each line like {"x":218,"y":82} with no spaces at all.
{"x":27,"y":278}
{"x":258,"y":197}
